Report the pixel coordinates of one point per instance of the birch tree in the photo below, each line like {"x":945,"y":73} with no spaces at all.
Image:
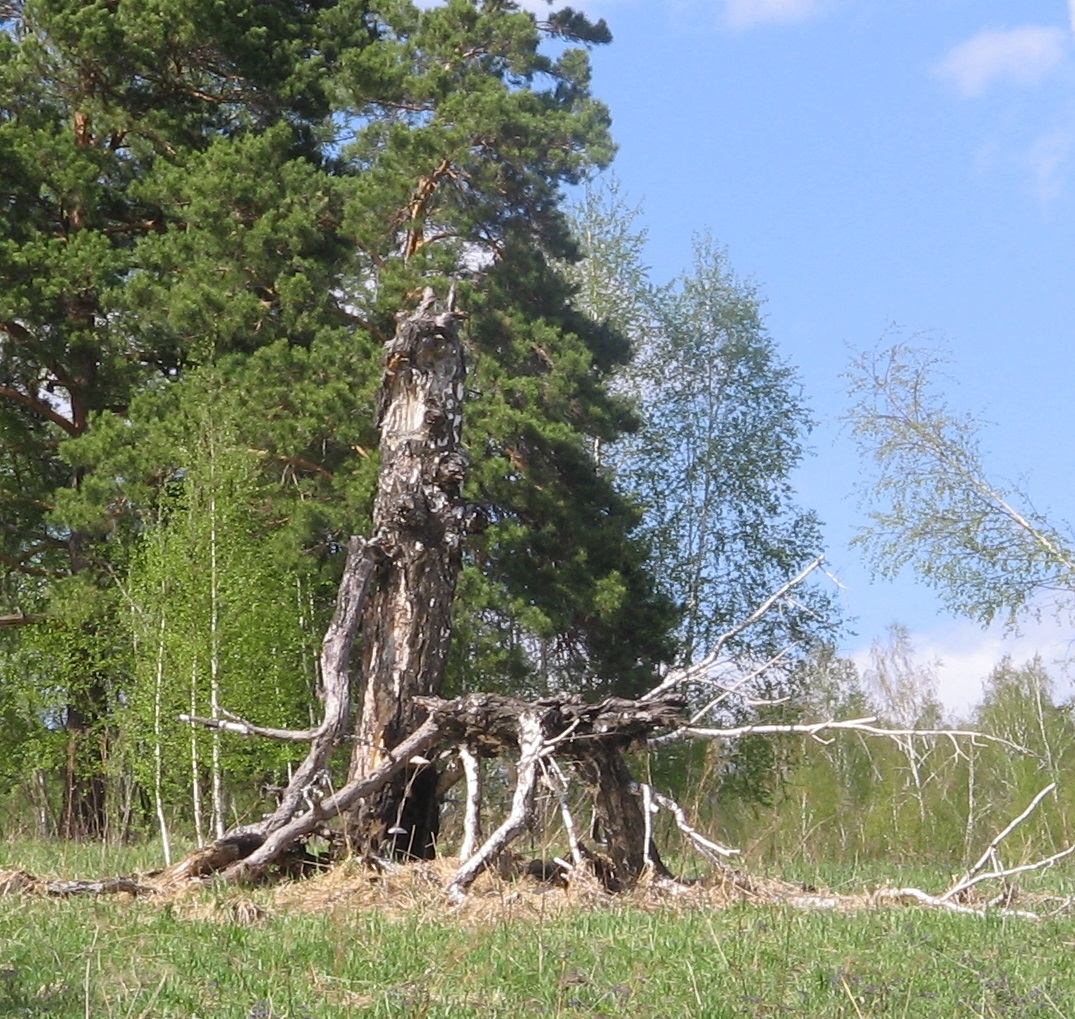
{"x":264,"y":190}
{"x":214,"y":623}
{"x":722,"y":428}
{"x":934,"y":506}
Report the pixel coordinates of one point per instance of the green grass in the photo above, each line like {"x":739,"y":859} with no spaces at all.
{"x":59,"y":859}
{"x":117,"y":958}
{"x":111,"y":958}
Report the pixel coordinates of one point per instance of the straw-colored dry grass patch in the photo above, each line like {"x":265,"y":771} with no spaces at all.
{"x":416,"y":891}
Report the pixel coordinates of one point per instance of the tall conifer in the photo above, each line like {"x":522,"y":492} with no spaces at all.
{"x":263,"y":187}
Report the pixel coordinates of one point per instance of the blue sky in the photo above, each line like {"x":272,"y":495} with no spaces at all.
{"x":875,"y":165}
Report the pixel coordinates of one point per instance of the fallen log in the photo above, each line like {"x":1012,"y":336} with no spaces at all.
{"x":19,"y":882}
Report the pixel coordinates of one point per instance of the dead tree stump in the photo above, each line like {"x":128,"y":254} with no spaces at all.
{"x":419,"y":522}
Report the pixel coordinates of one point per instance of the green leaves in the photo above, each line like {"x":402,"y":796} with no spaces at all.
{"x":722,"y":430}
{"x":249,"y":255}
{"x":980,"y":543}
{"x":215,"y":617}
{"x":578,"y":601}
{"x":214,"y":211}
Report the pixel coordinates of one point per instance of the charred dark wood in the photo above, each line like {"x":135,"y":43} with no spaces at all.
{"x":216,"y":856}
{"x":619,"y":817}
{"x":550,"y":872}
{"x":246,"y":855}
{"x":593,"y":737}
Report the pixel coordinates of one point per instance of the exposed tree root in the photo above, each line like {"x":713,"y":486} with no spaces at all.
{"x":574,"y":750}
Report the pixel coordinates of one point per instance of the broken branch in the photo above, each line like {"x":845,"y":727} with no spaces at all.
{"x":531,"y":749}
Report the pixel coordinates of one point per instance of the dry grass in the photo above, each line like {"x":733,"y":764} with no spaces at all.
{"x":416,"y":891}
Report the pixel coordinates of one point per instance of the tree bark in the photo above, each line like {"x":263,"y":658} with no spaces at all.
{"x":419,"y":522}
{"x":620,"y":819}
{"x":85,"y":788}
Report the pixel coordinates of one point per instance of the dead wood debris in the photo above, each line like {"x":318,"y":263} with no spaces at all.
{"x":19,"y":882}
{"x":516,"y":888}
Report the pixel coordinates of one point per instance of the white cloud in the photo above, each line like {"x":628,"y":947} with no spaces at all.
{"x":965,"y":655}
{"x":1048,"y":160}
{"x":744,"y":13}
{"x":1022,"y":55}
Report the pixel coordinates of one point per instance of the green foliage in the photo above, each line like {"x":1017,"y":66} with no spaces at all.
{"x":930,"y":800}
{"x":721,"y":430}
{"x":216,"y":620}
{"x":901,"y":798}
{"x":116,"y":122}
{"x":27,"y":703}
{"x":981,"y":544}
{"x":257,"y":190}
{"x":902,"y":690}
{"x":1018,"y":703}
{"x":557,"y":573}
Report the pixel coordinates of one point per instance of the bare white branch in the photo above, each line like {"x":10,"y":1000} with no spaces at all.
{"x":649,"y":808}
{"x":969,"y":879}
{"x":976,"y":874}
{"x":701,"y":668}
{"x":917,"y":895}
{"x":861,"y":725}
{"x":711,"y":850}
{"x":472,"y":815}
{"x":532,"y":748}
{"x":556,"y":780}
{"x":741,"y":682}
{"x":1006,"y":872}
{"x":233,"y":723}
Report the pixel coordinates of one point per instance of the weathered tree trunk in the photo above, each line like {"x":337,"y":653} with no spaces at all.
{"x":85,"y":788}
{"x":618,"y":814}
{"x":419,"y":522}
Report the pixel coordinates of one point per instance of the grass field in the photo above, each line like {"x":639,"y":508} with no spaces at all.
{"x":261,"y":954}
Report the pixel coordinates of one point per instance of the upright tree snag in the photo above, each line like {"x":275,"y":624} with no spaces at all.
{"x":419,"y":521}
{"x":559,"y":743}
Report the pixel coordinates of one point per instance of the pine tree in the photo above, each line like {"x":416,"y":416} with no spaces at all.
{"x":262,"y":188}
{"x":103,"y":107}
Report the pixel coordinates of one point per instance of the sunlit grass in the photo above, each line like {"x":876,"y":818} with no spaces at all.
{"x":63,"y":859}
{"x":122,"y":959}
{"x":201,"y":957}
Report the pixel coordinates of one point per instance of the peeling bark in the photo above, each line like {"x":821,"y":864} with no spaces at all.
{"x":419,"y":522}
